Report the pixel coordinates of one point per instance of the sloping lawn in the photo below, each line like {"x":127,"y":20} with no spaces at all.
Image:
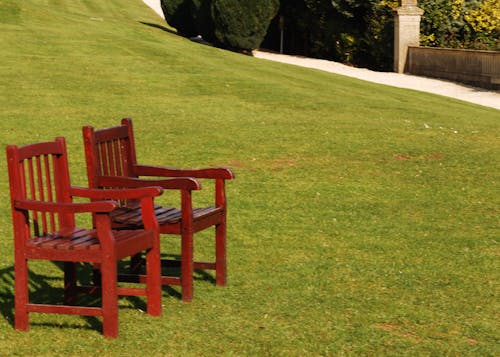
{"x":363,"y":219}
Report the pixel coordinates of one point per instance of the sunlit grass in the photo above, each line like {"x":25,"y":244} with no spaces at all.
{"x":363,"y":219}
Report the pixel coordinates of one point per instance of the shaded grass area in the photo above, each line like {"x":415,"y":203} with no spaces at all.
{"x":363,"y":220}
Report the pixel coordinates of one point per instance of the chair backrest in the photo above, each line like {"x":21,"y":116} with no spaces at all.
{"x":109,"y":151}
{"x":39,"y":172}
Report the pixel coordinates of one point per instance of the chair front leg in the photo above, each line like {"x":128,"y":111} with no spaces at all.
{"x":187,"y":265}
{"x":109,"y":277}
{"x":220,"y":235}
{"x":109,"y":285}
{"x":220,"y":253}
{"x":153,"y":280}
{"x":21,"y":296}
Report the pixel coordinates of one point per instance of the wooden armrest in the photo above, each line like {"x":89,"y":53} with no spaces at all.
{"x":183,"y":183}
{"x":144,"y":194}
{"x":98,"y":206}
{"x":116,"y":194}
{"x":161,"y":171}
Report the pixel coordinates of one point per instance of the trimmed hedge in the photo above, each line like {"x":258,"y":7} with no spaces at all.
{"x":242,"y":24}
{"x":201,"y":12}
{"x":179,"y":14}
{"x":233,"y":24}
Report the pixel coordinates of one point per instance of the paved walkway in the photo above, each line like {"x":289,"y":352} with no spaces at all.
{"x":436,"y":86}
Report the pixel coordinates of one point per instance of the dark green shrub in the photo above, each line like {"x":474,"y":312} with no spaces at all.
{"x":202,"y":18}
{"x":336,"y":30}
{"x":189,"y":17}
{"x":375,"y":46}
{"x":179,"y":14}
{"x":242,"y":24}
{"x":234,"y":24}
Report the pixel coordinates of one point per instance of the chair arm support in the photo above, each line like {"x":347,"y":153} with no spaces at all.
{"x":161,"y":171}
{"x":115,"y":194}
{"x":183,"y":183}
{"x":98,"y":206}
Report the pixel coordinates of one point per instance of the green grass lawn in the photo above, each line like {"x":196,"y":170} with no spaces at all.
{"x":363,"y":219}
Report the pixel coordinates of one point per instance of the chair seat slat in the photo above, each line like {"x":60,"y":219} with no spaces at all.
{"x":82,"y":239}
{"x":164,"y":215}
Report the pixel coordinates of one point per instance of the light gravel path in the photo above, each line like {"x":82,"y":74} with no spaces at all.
{"x":436,"y":86}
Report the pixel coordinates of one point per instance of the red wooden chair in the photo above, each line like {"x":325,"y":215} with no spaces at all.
{"x":44,"y":229}
{"x":111,"y":162}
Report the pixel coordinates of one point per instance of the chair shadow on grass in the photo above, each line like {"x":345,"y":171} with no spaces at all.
{"x":173,"y":268}
{"x":163,"y":28}
{"x":42,"y":291}
{"x":7,"y":293}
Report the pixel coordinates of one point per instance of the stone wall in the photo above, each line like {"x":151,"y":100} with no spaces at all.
{"x":477,"y":68}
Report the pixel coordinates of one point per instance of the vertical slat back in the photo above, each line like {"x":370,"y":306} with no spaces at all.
{"x":108,"y":152}
{"x":103,"y":159}
{"x":130,"y":143}
{"x":29,"y":186}
{"x":112,"y":158}
{"x":39,"y":172}
{"x":40,"y":188}
{"x":50,"y":182}
{"x":119,"y":159}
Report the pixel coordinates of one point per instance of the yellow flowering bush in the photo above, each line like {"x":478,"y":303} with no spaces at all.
{"x":473,"y":24}
{"x":485,"y":18}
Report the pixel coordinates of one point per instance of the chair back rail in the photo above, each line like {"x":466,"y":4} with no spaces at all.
{"x":109,"y":152}
{"x":39,"y":172}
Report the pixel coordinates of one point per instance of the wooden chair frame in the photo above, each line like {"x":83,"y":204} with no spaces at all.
{"x":44,"y":229}
{"x":111,"y":162}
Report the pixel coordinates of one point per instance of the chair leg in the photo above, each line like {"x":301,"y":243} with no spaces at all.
{"x":153,"y":281}
{"x":70,"y":282}
{"x":109,"y":283}
{"x":187,"y":265}
{"x":220,"y":255}
{"x":21,"y":299}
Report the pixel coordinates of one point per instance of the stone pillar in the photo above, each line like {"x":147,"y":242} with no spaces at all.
{"x":406,"y":31}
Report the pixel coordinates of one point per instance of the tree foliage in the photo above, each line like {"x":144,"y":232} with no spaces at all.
{"x":235,"y":24}
{"x":472,"y":24}
{"x":361,"y":32}
{"x":352,"y":31}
